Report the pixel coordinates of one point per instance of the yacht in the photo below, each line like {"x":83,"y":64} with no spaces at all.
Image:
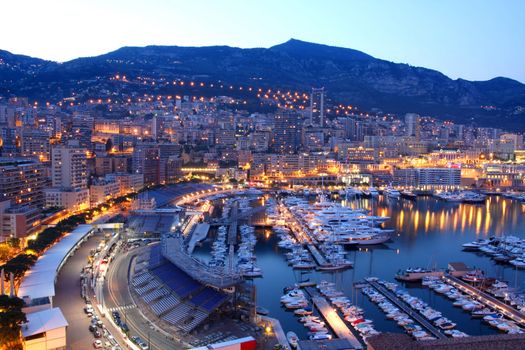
{"x":417,"y":274}
{"x":373,"y":191}
{"x":392,"y":192}
{"x":292,"y":339}
{"x":408,"y":194}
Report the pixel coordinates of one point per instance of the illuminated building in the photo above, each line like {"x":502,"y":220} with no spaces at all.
{"x":146,"y":161}
{"x":69,"y":167}
{"x":35,"y":143}
{"x":286,"y":131}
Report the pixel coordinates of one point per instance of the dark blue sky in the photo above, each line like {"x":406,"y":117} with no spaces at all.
{"x":472,"y":39}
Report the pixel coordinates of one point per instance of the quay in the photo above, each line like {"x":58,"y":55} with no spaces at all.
{"x":403,"y":306}
{"x":486,"y":299}
{"x":319,"y":258}
{"x":332,"y":318}
{"x":277,"y":330}
{"x":335,"y":322}
{"x":232,"y":230}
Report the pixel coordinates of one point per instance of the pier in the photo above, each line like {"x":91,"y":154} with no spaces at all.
{"x":232,"y":230}
{"x":412,"y":313}
{"x":335,"y":322}
{"x":486,"y":299}
{"x":319,"y":258}
{"x":199,"y":233}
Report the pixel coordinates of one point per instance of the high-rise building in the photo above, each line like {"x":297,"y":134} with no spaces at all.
{"x":412,"y":123}
{"x":317,"y":107}
{"x":286,"y":135}
{"x":146,"y":160}
{"x":22,"y":181}
{"x":69,"y":167}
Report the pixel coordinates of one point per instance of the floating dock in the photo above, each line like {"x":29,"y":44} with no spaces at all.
{"x":319,"y":258}
{"x":335,"y":322}
{"x":486,"y":299}
{"x":412,"y":313}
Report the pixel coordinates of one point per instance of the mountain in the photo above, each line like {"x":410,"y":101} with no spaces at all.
{"x":349,"y":76}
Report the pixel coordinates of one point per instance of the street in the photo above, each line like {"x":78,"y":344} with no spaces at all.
{"x":69,"y":300}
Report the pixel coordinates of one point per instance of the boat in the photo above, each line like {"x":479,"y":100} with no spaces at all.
{"x":293,"y":339}
{"x":373,"y":191}
{"x":475,"y":245}
{"x":518,"y":262}
{"x":473,"y":276}
{"x":392,"y":192}
{"x":408,"y":194}
{"x":262,"y":311}
{"x":473,"y":197}
{"x":416,"y":274}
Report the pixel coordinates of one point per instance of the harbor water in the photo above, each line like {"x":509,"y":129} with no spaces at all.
{"x":429,"y":234}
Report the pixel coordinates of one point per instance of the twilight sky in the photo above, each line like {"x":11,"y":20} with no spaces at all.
{"x":471,"y":39}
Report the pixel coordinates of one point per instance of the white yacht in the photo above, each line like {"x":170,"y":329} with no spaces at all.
{"x":392,"y":192}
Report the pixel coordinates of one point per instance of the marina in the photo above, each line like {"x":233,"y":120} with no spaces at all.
{"x":402,"y":305}
{"x":486,"y":299}
{"x":335,"y":322}
{"x":290,"y":243}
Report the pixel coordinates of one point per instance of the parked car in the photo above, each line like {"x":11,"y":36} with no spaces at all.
{"x":97,"y":344}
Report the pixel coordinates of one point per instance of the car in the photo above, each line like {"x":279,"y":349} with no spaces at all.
{"x":92,"y":328}
{"x":135,"y":338}
{"x":88,"y":309}
{"x":124,"y":327}
{"x":115,"y":314}
{"x":144,"y":346}
{"x":97,"y":344}
{"x":97,"y":334}
{"x":100,"y":324}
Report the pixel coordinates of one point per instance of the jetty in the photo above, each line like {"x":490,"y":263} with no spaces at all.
{"x":335,"y":322}
{"x":412,"y":313}
{"x":486,"y":299}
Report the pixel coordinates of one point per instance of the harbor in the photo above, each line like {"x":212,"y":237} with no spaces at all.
{"x":335,"y":322}
{"x":288,"y":238}
{"x":402,"y":305}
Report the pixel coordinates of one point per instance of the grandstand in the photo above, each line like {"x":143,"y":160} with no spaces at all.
{"x":172,"y":248}
{"x":173,"y":295}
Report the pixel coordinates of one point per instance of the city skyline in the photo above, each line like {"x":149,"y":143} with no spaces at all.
{"x":317,"y":184}
{"x":469,"y":40}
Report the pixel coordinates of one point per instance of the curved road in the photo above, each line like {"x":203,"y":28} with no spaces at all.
{"x":69,"y":300}
{"x":117,"y":297}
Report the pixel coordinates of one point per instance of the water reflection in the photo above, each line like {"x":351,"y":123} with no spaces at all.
{"x":496,"y":216}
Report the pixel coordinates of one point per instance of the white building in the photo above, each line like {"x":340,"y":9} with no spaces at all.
{"x":45,"y":329}
{"x":127,"y":182}
{"x":102,"y":191}
{"x":69,"y":167}
{"x":72,"y":200}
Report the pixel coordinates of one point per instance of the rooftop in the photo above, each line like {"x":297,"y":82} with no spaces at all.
{"x":43,"y":321}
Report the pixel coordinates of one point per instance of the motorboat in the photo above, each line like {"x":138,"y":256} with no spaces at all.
{"x":293,"y":339}
{"x":391,"y":192}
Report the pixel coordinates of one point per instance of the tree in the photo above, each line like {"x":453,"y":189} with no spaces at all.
{"x":11,"y":318}
{"x":14,"y":242}
{"x":5,"y":252}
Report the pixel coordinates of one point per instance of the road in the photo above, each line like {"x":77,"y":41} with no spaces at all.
{"x":117,"y":295}
{"x":69,"y":300}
